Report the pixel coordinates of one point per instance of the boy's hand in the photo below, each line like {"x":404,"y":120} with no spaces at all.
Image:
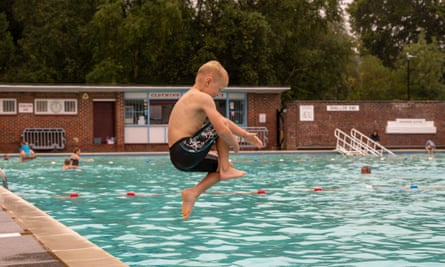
{"x":253,"y":139}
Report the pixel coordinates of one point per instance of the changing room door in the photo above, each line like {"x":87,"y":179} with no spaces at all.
{"x":104,"y":121}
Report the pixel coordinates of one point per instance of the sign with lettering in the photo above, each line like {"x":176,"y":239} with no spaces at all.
{"x":165,"y":95}
{"x":343,"y":108}
{"x":26,"y":107}
{"x":306,"y":113}
{"x":411,"y":126}
{"x":221,"y":96}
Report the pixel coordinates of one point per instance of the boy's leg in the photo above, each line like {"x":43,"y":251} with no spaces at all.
{"x":190,"y":195}
{"x":225,"y":168}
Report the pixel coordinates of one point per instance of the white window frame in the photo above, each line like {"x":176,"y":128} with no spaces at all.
{"x":54,"y":106}
{"x":2,"y":111}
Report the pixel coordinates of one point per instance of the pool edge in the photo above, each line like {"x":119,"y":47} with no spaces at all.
{"x":66,"y":245}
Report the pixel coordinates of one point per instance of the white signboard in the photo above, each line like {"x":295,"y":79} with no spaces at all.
{"x":262,"y":118}
{"x":343,"y":108}
{"x":306,"y":113}
{"x":411,"y":126}
{"x":26,"y":107}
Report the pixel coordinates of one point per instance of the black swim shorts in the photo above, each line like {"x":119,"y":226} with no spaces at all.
{"x":74,"y":162}
{"x":191,"y":153}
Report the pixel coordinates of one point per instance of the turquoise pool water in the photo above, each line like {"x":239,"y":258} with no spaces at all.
{"x":392,"y":217}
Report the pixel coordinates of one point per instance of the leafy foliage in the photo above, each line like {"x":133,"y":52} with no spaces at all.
{"x":301,"y":44}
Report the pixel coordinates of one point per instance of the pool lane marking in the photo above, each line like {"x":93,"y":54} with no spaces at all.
{"x":410,"y":187}
{"x":133,"y":194}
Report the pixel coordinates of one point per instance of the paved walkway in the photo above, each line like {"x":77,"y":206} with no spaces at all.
{"x":29,"y":237}
{"x":19,"y":248}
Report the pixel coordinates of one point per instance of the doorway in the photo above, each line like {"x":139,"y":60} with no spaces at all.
{"x":104,"y":122}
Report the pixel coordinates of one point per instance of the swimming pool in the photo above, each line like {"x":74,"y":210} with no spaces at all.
{"x":392,"y":217}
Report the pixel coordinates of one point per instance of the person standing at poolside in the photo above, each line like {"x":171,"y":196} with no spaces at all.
{"x":375,"y":136}
{"x":195,"y":125}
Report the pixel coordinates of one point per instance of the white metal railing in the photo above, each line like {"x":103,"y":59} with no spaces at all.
{"x":44,"y":138}
{"x":374,"y":146}
{"x":347,"y":145}
{"x":358,"y":144}
{"x":262,"y":133}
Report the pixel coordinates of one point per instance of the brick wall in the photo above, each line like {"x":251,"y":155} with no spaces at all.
{"x":371,"y":115}
{"x":81,"y":125}
{"x":267,"y":104}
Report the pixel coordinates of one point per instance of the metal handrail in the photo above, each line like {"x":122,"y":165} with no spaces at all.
{"x":358,"y":144}
{"x":347,"y":145}
{"x":373,"y":145}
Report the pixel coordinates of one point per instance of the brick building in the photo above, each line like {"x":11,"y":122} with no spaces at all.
{"x":119,"y":118}
{"x":400,"y":124}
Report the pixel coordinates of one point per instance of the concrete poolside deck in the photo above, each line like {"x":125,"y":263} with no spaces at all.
{"x":29,"y":237}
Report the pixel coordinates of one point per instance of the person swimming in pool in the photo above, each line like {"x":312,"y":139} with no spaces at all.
{"x":366,"y":169}
{"x":195,"y":125}
{"x":430,"y":146}
{"x":75,"y":157}
{"x":26,"y":153}
{"x":68,"y":166}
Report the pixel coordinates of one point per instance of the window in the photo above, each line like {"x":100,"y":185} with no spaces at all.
{"x":55,"y":106}
{"x":8,"y":106}
{"x":154,"y":108}
{"x":136,"y":111}
{"x":236,"y":111}
{"x":232,"y":106}
{"x":160,"y":111}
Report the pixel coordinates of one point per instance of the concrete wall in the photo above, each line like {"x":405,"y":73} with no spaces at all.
{"x":371,"y":115}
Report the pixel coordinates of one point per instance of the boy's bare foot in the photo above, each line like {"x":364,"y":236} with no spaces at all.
{"x":230,"y":173}
{"x":188,"y":201}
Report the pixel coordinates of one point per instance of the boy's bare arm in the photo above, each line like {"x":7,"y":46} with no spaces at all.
{"x":251,"y":138}
{"x":219,"y":123}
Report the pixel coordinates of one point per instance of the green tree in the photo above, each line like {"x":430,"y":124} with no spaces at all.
{"x":376,"y":81}
{"x":310,"y":47}
{"x":140,"y":41}
{"x":298,"y":43}
{"x":427,"y":69}
{"x":239,"y":38}
{"x":6,"y":47}
{"x":385,"y":27}
{"x":50,"y":48}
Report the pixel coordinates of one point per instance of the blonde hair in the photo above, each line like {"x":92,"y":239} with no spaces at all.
{"x":214,"y":69}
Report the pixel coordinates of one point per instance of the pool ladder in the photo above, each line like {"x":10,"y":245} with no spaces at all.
{"x":358,"y":144}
